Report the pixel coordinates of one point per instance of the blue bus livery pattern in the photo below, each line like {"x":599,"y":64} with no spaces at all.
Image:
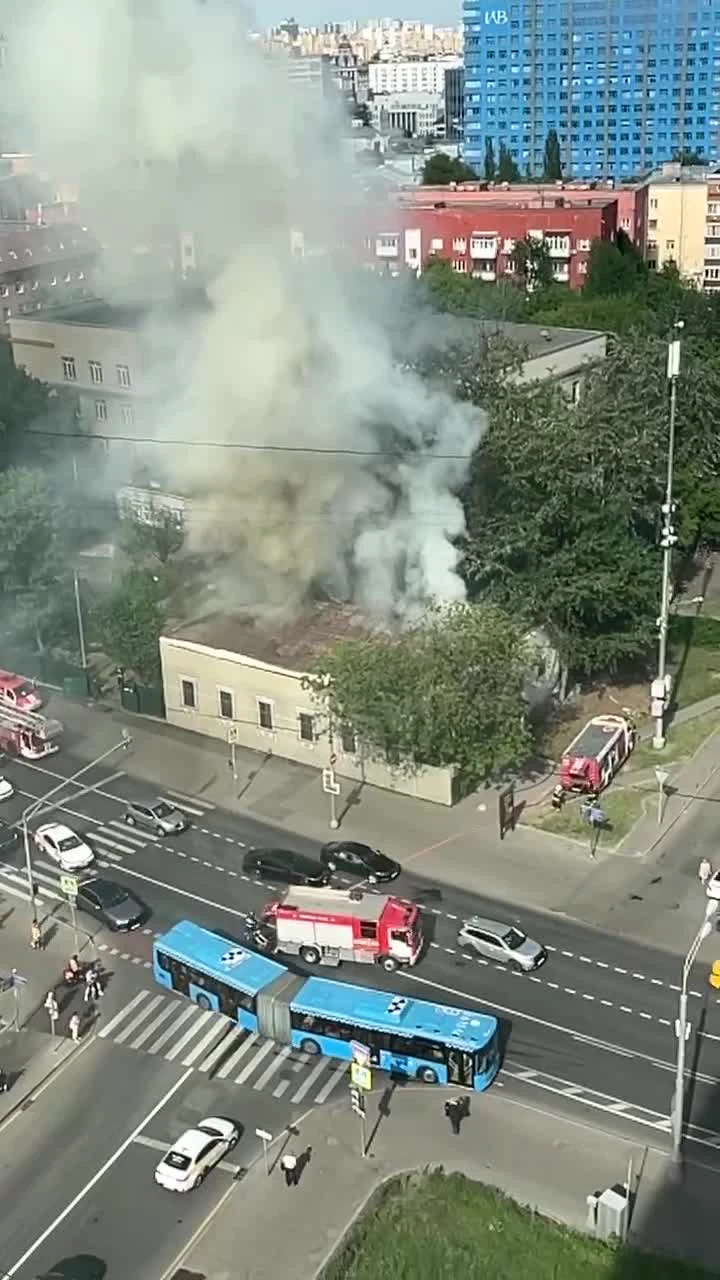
{"x":413,"y":1038}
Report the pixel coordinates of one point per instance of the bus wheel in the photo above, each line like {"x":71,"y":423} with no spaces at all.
{"x":310,"y":1046}
{"x":389,"y":963}
{"x":310,"y":955}
{"x":203,"y":1002}
{"x":427,"y":1075}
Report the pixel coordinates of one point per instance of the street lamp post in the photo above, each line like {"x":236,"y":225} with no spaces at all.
{"x":80,"y":624}
{"x":660,"y":685}
{"x":38,"y":805}
{"x":682,"y":1030}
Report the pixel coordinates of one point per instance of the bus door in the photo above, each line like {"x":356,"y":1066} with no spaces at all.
{"x":460,"y":1067}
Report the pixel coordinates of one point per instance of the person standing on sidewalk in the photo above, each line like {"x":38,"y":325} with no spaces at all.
{"x":74,"y":1027}
{"x":36,"y":936}
{"x":705,"y":872}
{"x":288,"y":1164}
{"x":453,"y":1111}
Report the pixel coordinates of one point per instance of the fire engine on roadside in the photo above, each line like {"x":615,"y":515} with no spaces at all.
{"x":326,"y":926}
{"x":593,"y":758}
{"x":27,"y":734}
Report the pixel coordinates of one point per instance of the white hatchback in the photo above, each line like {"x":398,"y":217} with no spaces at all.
{"x":64,"y":846}
{"x":192,"y":1157}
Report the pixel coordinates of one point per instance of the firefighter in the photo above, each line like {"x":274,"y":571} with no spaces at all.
{"x":558,"y":797}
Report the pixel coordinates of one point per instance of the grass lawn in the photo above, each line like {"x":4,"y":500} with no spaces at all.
{"x":434,"y":1226}
{"x":622,"y":807}
{"x":695,"y":659}
{"x":682,"y":741}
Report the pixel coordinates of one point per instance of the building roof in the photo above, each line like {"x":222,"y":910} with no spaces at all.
{"x":293,"y":645}
{"x":537,"y":339}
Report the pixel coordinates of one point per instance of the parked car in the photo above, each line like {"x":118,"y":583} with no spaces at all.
{"x":713,"y":886}
{"x":194,"y":1154}
{"x":9,"y":837}
{"x":6,"y":789}
{"x":502,"y":942}
{"x":359,"y":860}
{"x":285,"y":867}
{"x":156,"y":815}
{"x":64,"y":846}
{"x":115,"y":906}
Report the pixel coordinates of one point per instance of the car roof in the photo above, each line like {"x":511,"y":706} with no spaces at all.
{"x":102,"y":885}
{"x":191,"y":1142}
{"x":300,"y":859}
{"x":352,"y":846}
{"x":56,"y":829}
{"x":491,"y":926}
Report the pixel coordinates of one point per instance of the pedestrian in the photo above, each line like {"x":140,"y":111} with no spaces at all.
{"x":35,"y":936}
{"x":704,"y":872}
{"x":74,"y":1027}
{"x":558,"y":797}
{"x":289,"y":1166}
{"x":93,"y":990}
{"x":453,"y":1111}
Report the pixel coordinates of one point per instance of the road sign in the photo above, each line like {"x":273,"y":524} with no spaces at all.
{"x":51,"y":1005}
{"x":233,"y":734}
{"x":329,"y":783}
{"x":661,"y":776}
{"x":69,"y":885}
{"x":360,"y":1053}
{"x":333,"y":760}
{"x":361,"y":1076}
{"x":263,"y":1135}
{"x":357,"y":1101}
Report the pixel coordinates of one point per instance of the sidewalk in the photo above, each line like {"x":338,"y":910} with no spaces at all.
{"x":265,"y":1230}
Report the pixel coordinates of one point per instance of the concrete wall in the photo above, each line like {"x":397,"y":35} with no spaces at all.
{"x":39,"y":346}
{"x":676,"y":217}
{"x":566,"y":363}
{"x":249,"y":683}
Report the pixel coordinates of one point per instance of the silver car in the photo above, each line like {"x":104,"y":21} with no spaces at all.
{"x":502,"y":942}
{"x":156,"y":815}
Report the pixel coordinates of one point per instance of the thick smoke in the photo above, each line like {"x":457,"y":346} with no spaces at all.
{"x":172,"y":119}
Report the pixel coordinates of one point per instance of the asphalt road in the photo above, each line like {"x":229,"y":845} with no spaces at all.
{"x":598,"y":1018}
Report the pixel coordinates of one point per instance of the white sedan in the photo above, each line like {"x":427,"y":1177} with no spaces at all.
{"x":192,"y":1157}
{"x":63,"y":846}
{"x":6,"y":789}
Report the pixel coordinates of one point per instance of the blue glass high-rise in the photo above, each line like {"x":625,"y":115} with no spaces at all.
{"x":626,"y":83}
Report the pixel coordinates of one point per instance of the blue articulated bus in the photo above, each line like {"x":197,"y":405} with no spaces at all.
{"x":413,"y":1038}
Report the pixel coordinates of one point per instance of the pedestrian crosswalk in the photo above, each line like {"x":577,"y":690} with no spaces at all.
{"x":181,"y":1032}
{"x":112,"y":842}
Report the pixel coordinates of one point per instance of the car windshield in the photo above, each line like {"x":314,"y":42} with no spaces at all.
{"x":109,"y":895}
{"x":514,"y":939}
{"x":69,"y":842}
{"x":176,"y":1160}
{"x":161,"y":810}
{"x":24,"y":690}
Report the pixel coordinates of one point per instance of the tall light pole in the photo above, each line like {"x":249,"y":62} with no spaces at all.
{"x":682,"y":1029}
{"x":79,"y":616}
{"x":38,"y":805}
{"x":660,"y":688}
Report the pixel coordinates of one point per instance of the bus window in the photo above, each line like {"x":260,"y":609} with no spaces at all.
{"x":163,"y":960}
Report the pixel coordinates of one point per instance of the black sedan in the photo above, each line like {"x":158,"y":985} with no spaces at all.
{"x":115,"y":906}
{"x":359,"y":860}
{"x":9,"y":837}
{"x":284,"y":866}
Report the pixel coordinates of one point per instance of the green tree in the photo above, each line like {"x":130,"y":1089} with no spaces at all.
{"x":129,"y":622}
{"x":23,"y":400}
{"x":448,"y":692}
{"x":441,"y":169}
{"x":532,"y":262}
{"x":489,"y":166}
{"x":28,"y":525}
{"x":448,"y":290}
{"x":688,"y":158}
{"x":613,"y":270}
{"x":158,"y":537}
{"x":552,"y":164}
{"x":507,"y":170}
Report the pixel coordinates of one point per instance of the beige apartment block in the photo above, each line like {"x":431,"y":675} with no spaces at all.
{"x":677,"y":200}
{"x":229,"y":678}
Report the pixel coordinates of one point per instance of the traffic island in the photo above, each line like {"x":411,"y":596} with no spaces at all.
{"x":621,"y":808}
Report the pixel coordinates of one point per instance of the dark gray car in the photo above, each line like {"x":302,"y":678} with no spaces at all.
{"x":110,"y":902}
{"x":156,"y":815}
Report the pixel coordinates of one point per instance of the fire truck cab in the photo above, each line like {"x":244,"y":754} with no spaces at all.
{"x":28,"y":735}
{"x":326,"y":926}
{"x":18,"y":693}
{"x":593,"y":758}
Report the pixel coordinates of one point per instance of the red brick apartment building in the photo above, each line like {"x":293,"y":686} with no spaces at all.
{"x":479,"y":239}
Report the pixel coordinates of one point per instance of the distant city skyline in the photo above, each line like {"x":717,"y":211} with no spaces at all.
{"x":315,"y":13}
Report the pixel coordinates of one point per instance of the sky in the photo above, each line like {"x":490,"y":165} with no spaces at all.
{"x":313,"y":13}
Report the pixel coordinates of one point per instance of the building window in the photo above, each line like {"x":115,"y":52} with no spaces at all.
{"x":69,"y":369}
{"x":225,"y":704}
{"x":188,"y":694}
{"x":266,"y":719}
{"x":348,"y":739}
{"x":96,"y":373}
{"x":123,"y":375}
{"x":306,"y":726}
{"x":128,"y":414}
{"x":101,"y":410}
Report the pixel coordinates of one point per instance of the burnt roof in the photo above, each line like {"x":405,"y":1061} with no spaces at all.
{"x":291,"y":644}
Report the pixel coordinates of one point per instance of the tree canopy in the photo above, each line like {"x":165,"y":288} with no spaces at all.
{"x":129,"y":622}
{"x":448,"y":692}
{"x":441,"y":169}
{"x":552,"y":164}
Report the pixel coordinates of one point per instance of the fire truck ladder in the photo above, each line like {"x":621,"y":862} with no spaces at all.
{"x":42,"y":726}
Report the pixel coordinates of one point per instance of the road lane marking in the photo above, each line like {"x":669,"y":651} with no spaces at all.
{"x":335,"y":1079}
{"x":309,"y":1081}
{"x":238,"y":1055}
{"x":177,"y":1049}
{"x":97,"y":1177}
{"x":183,"y":893}
{"x":145,"y":1035}
{"x":172,"y":1030}
{"x":119,"y":1017}
{"x":220,"y":1028}
{"x":181,"y":796}
{"x":249,"y":1067}
{"x":134,"y":1023}
{"x":275,"y":1065}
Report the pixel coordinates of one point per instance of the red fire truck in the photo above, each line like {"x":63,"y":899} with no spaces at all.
{"x":595,"y":755}
{"x":18,"y":693}
{"x":325,"y":926}
{"x":27,"y":734}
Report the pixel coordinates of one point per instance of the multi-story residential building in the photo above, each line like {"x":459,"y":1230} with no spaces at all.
{"x":626,"y":85}
{"x":409,"y":75}
{"x":44,"y":266}
{"x":678,"y":222}
{"x":480,"y":240}
{"x":712,"y":235}
{"x":454,"y":104}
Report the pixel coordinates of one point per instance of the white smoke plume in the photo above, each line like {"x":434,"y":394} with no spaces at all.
{"x":170,"y":117}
